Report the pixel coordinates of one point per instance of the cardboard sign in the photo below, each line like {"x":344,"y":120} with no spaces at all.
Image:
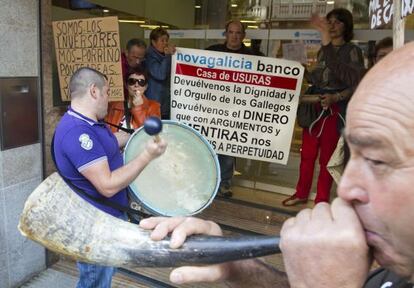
{"x":244,"y":105}
{"x":380,"y":12}
{"x":407,"y":7}
{"x":92,"y":42}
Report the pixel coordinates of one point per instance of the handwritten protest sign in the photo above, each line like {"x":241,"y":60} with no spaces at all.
{"x":92,"y":42}
{"x":407,"y":7}
{"x":244,"y":105}
{"x":380,"y":12}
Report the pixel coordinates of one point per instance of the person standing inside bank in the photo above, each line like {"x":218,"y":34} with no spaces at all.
{"x":131,"y":58}
{"x":382,"y":48}
{"x":88,"y":156}
{"x":339,"y":68}
{"x":139,"y":108}
{"x":234,"y":33}
{"x":158,"y":66}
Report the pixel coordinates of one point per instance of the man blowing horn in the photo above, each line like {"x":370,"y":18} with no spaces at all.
{"x":334,"y":245}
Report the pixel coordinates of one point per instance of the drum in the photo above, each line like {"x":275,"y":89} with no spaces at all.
{"x":181,"y":182}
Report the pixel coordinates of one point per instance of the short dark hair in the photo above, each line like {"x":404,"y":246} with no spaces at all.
{"x":139,"y":70}
{"x":243,"y":27}
{"x":157,"y":33}
{"x":83,"y":78}
{"x":344,"y":16}
{"x":135,"y":42}
{"x":383,"y":43}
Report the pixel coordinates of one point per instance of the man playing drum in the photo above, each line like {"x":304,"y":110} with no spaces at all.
{"x":88,"y":155}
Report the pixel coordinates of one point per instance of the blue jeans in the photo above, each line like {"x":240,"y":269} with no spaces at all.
{"x":95,"y":276}
{"x":227,"y":169}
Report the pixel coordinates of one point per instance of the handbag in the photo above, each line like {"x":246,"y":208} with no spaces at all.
{"x":307,"y":114}
{"x":310,"y":113}
{"x":336,"y":164}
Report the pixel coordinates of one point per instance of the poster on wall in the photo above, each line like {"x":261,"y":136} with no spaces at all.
{"x":244,"y":105}
{"x":92,"y":42}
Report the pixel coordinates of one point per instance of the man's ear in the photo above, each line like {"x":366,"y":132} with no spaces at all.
{"x":93,"y":90}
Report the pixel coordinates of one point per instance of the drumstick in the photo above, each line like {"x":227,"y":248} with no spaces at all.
{"x":153,"y":127}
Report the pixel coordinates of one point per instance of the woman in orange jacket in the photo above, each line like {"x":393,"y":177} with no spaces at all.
{"x":139,"y":107}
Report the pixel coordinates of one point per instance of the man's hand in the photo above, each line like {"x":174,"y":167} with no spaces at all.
{"x":155,"y":148}
{"x":170,"y":49}
{"x":137,"y":99}
{"x":181,"y":228}
{"x":325,"y":247}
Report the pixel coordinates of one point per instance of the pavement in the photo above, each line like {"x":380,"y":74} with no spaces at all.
{"x":51,"y":279}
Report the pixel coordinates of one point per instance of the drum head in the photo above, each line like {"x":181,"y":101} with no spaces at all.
{"x":184,"y":180}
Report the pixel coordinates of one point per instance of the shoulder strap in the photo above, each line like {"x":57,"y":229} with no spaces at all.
{"x":127,"y":114}
{"x":103,"y":201}
{"x":127,"y":130}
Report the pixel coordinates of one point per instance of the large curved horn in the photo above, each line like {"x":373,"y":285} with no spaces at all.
{"x":60,"y":220}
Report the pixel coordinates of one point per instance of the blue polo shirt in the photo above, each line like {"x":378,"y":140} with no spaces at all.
{"x":81,"y":142}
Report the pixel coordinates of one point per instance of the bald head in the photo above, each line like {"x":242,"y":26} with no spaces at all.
{"x":82,"y":79}
{"x":234,"y":34}
{"x":390,"y":79}
{"x":383,"y":101}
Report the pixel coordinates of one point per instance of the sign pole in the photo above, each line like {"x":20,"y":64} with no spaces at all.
{"x":398,"y":25}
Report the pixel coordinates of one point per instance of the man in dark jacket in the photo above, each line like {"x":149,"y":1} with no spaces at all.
{"x":133,"y":56}
{"x":234,"y":33}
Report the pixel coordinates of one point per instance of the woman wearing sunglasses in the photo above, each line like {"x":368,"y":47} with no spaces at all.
{"x":138,"y":106}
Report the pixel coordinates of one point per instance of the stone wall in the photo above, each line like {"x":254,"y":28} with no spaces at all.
{"x":20,"y":168}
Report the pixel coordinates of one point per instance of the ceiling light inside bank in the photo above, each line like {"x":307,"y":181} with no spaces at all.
{"x":132,"y":21}
{"x":154,"y":26}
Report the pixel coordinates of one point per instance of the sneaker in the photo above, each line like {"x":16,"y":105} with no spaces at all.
{"x":225,"y":192}
{"x":293,"y":201}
